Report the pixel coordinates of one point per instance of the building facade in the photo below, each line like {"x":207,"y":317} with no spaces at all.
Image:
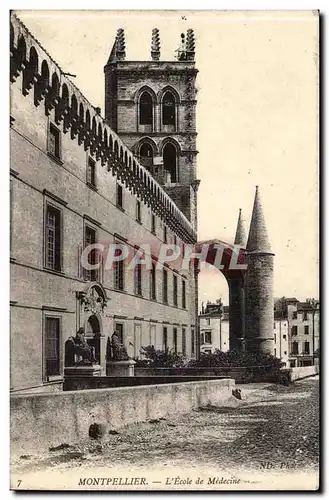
{"x":297,"y":331}
{"x":76,"y":180}
{"x":214,"y":327}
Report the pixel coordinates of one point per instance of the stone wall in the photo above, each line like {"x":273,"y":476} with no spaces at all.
{"x":302,"y":372}
{"x":39,"y":421}
{"x":36,"y":292}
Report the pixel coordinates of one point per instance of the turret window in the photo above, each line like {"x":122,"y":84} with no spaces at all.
{"x":168,"y":109}
{"x":145,"y":109}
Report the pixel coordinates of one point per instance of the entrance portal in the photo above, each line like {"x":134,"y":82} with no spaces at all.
{"x":93,"y":336}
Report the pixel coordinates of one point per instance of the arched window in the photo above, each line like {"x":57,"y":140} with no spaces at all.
{"x":146,"y":155}
{"x":145,"y":109}
{"x":170,"y":161}
{"x":168,"y":109}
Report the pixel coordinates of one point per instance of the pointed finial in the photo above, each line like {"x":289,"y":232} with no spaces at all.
{"x":155,"y":44}
{"x":190,"y":45}
{"x":258,"y":238}
{"x":240,"y":234}
{"x":120,"y":45}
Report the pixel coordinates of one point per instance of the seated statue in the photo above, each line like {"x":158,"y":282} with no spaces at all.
{"x":77,"y":347}
{"x":115,"y":350}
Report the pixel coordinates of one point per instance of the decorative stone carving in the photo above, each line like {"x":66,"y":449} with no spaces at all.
{"x":115,"y":351}
{"x":77,"y":350}
{"x":92,"y":300}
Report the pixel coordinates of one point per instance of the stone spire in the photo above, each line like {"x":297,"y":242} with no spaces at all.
{"x":258,"y":241}
{"x":240,"y":235}
{"x":155,"y":45}
{"x":190,"y":45}
{"x":118,"y":52}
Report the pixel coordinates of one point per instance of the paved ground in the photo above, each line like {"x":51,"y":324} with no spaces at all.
{"x":273,"y":428}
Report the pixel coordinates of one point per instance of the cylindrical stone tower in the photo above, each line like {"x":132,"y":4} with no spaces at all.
{"x":259,"y":311}
{"x":236,"y":295}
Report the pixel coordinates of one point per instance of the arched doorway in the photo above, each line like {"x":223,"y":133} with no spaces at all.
{"x":93,"y":335}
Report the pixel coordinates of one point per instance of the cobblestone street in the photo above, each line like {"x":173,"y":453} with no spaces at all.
{"x":273,"y":428}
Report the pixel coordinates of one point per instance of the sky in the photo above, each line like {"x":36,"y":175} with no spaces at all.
{"x":257,"y":118}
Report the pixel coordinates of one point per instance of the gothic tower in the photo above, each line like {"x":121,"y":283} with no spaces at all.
{"x":259,"y":284}
{"x":237,"y":295}
{"x":151,"y":105}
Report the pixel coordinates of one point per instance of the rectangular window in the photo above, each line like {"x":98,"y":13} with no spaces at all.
{"x":306,"y":329}
{"x":153,"y":224}
{"x":138,"y":211}
{"x":175,"y":339}
{"x":274,"y":352}
{"x":53,"y":238}
{"x":274,"y":326}
{"x":118,"y":268}
{"x":208,"y":321}
{"x":165,"y":286}
{"x":119,"y":196}
{"x":184,"y":342}
{"x":165,"y":337}
{"x":119,"y":330}
{"x":153,"y":282}
{"x":294,"y":348}
{"x":275,"y":338}
{"x":183,"y":294}
{"x":138,"y":279}
{"x":284,"y":337}
{"x":54,"y":142}
{"x":192,"y":341}
{"x":294,"y":315}
{"x":306,"y":348}
{"x":175,"y":290}
{"x":90,"y":239}
{"x":305,"y":316}
{"x":52,"y":346}
{"x":294,"y":330}
{"x":91,"y":172}
{"x":207,"y":337}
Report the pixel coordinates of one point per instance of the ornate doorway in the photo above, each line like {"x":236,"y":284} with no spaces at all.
{"x":93,"y":336}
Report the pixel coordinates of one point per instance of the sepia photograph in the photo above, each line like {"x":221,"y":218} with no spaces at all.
{"x":164,"y":250}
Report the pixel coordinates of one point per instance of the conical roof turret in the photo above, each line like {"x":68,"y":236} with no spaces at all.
{"x":240,"y":235}
{"x":258,"y":241}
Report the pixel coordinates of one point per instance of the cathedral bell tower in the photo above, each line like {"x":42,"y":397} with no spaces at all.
{"x":151,"y":105}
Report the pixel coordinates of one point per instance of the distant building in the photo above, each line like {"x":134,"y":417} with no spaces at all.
{"x":214,"y":327}
{"x":296,"y":331}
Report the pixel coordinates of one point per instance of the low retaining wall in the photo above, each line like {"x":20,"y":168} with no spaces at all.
{"x":241,"y":374}
{"x":303,"y":372}
{"x":102,"y":382}
{"x":39,"y":421}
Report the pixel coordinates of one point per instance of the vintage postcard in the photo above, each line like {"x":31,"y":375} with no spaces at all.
{"x":164,"y":206}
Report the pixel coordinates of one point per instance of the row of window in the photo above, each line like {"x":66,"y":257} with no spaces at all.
{"x":305,"y":315}
{"x":295,"y":348}
{"x":168,"y":109}
{"x":53,"y":252}
{"x":52,"y":343}
{"x":294,"y":330}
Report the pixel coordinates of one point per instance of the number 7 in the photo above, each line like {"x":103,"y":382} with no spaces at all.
{"x":18,"y":483}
